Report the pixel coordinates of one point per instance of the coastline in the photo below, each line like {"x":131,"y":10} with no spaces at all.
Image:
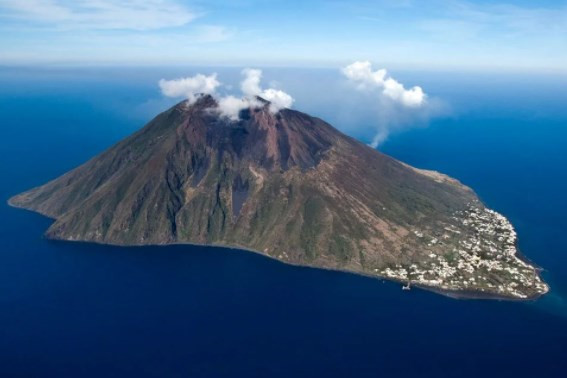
{"x":453,"y":294}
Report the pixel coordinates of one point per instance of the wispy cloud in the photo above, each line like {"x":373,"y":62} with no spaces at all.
{"x":99,"y":14}
{"x":454,"y":34}
{"x":212,"y":33}
{"x":470,"y":34}
{"x":445,"y":18}
{"x":513,"y":17}
{"x":472,"y":19}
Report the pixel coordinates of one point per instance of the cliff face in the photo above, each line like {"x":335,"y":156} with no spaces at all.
{"x":287,"y":185}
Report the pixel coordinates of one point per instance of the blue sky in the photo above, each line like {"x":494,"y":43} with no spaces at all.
{"x":434,"y":34}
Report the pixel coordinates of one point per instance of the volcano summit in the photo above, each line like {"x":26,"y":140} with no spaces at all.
{"x":291,"y":187}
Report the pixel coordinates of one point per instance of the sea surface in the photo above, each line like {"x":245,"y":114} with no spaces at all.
{"x":82,"y":310}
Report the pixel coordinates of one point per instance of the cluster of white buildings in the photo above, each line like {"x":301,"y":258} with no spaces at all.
{"x":478,"y":256}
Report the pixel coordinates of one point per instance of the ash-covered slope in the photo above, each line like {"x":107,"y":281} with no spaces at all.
{"x":289,"y":186}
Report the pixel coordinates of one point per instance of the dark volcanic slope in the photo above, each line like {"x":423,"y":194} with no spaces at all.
{"x":289,"y":186}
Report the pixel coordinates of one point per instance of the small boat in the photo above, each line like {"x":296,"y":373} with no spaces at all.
{"x":407,"y":287}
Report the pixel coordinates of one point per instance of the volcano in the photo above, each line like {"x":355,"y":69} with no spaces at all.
{"x":292,"y":187}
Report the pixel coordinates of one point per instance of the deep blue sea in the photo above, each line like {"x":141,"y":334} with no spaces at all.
{"x":80,"y":310}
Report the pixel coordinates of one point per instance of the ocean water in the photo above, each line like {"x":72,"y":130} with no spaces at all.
{"x":73,"y":309}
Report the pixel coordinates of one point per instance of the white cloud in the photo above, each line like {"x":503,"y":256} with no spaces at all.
{"x":250,"y":87}
{"x":99,"y":14}
{"x":390,"y":107}
{"x":409,"y":97}
{"x":361,"y":73}
{"x":230,"y":106}
{"x":278,"y":99}
{"x":189,"y":86}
